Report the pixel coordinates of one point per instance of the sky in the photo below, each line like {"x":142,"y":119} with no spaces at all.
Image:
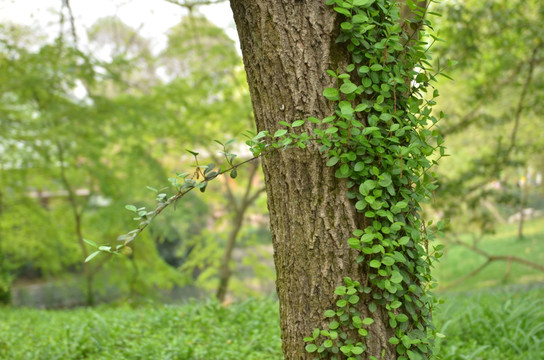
{"x":152,"y":17}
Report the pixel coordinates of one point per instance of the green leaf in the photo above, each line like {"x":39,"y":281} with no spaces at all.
{"x":298,"y":123}
{"x":368,"y":321}
{"x":90,"y":257}
{"x":360,"y":205}
{"x":346,"y":349}
{"x":331,"y":94}
{"x":345,"y":108}
{"x":348,"y":87}
{"x":357,"y":350}
{"x":342,"y":11}
{"x":361,"y":107}
{"x":341,"y":290}
{"x":388,"y":260}
{"x":359,"y":18}
{"x":311,"y":348}
{"x":192,"y":152}
{"x":359,"y":166}
{"x":131,"y":208}
{"x":363,"y":3}
{"x":367,"y":186}
{"x":330,"y":313}
{"x":402,"y":318}
{"x":404,"y":240}
{"x":375,"y":264}
{"x":376,"y":67}
{"x":370,"y":129}
{"x":393,"y":340}
{"x":353,"y":299}
{"x":280,"y":132}
{"x":395,"y":304}
{"x":90,"y":242}
{"x":344,"y":170}
{"x":367,"y":238}
{"x":332,"y":161}
{"x":396,"y":277}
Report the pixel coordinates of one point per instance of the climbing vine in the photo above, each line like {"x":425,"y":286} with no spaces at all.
{"x":383,"y":141}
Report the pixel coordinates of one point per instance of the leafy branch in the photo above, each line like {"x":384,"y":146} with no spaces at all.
{"x":260,"y":145}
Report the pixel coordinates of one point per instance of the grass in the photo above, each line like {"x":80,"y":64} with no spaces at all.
{"x":506,"y":324}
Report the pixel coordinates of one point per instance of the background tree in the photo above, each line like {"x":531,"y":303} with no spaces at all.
{"x":497,"y":152}
{"x":61,"y":134}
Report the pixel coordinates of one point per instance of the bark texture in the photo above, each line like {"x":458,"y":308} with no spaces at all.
{"x":287,"y":47}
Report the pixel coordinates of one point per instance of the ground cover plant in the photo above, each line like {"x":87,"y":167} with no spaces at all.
{"x":198,"y":330}
{"x":506,"y":324}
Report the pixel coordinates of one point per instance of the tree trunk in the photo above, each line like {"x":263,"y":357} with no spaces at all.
{"x":239,"y":209}
{"x":77,"y":213}
{"x":287,"y":47}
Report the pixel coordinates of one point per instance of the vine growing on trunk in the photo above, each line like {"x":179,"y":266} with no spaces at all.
{"x":383,"y":141}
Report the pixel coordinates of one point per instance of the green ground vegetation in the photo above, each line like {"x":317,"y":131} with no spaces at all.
{"x":506,"y":324}
{"x":479,"y":322}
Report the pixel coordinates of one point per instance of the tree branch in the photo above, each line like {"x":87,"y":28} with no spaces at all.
{"x":519,"y":109}
{"x":189,"y":5}
{"x":490,"y":259}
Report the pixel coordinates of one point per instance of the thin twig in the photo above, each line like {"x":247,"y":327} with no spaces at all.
{"x":174,"y":198}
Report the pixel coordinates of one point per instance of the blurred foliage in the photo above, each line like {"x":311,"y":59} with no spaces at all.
{"x":83,"y":132}
{"x":494,"y":108}
{"x":459,"y":261}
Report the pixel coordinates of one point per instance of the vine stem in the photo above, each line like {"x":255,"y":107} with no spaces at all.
{"x":174,"y":198}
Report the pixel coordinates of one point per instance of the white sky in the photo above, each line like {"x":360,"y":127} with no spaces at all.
{"x":153,"y":17}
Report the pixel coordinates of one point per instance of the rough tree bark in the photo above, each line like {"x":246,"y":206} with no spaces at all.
{"x":287,"y":47}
